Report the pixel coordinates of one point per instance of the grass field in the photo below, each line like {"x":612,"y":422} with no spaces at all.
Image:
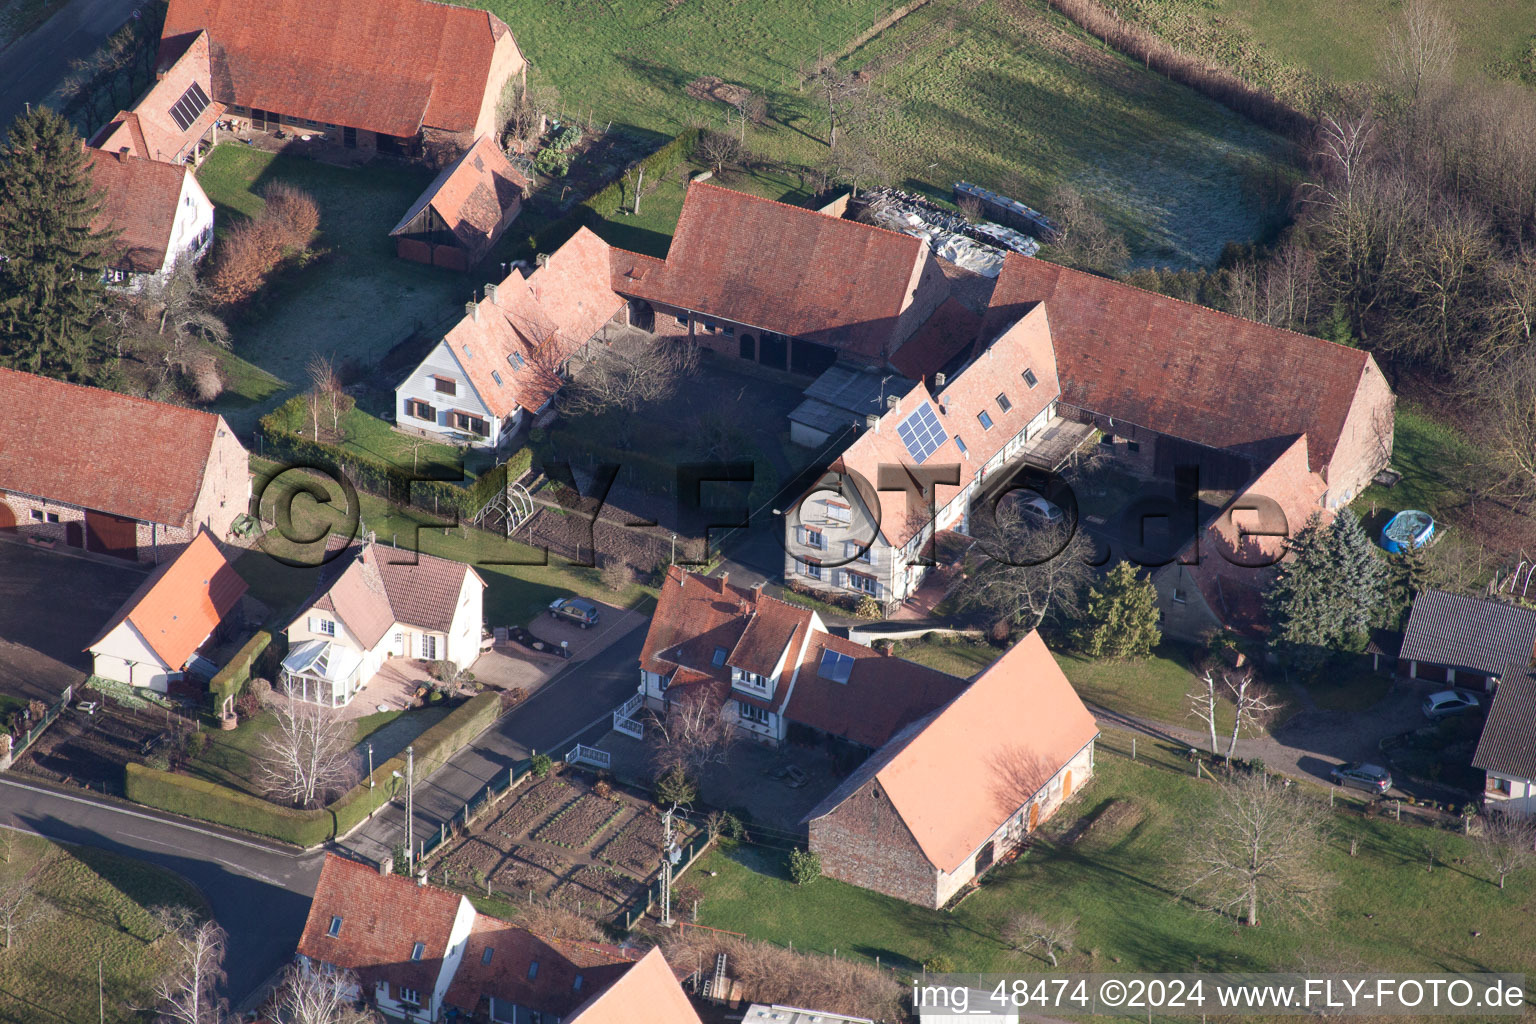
{"x":94,"y":908}
{"x":520,"y":581}
{"x":996,"y":91}
{"x":356,"y":302}
{"x":1117,"y":882}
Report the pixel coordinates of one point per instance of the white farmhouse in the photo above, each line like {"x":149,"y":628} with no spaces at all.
{"x":159,"y":211}
{"x":384,"y":603}
{"x":157,"y":633}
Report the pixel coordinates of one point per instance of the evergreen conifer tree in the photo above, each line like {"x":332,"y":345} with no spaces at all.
{"x":1360,"y":576}
{"x":1330,"y":590}
{"x":51,"y":274}
{"x":1122,"y":616}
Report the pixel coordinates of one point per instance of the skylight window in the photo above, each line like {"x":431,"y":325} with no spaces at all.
{"x":984,"y":420}
{"x":835,"y":665}
{"x":719,"y":658}
{"x":960,"y":444}
{"x":1029,"y":377}
{"x":418,"y":950}
{"x":496,"y":376}
{"x":922,"y":433}
{"x":533,"y":970}
{"x":191,"y":105}
{"x":485,"y":957}
{"x":1003,"y":403}
{"x":467,"y":353}
{"x":335,"y":928}
{"x":576,"y":985}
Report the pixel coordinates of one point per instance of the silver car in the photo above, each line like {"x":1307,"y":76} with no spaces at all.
{"x":1370,"y":777}
{"x":1450,"y":702}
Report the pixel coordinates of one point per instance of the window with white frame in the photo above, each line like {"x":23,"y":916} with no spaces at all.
{"x":813,"y":538}
{"x":859,"y":581}
{"x":1029,"y":377}
{"x":853,"y":549}
{"x":429,"y":647}
{"x":811,"y":569}
{"x":751,"y":712}
{"x":409,"y":996}
{"x":837,"y":512}
{"x":326,"y":626}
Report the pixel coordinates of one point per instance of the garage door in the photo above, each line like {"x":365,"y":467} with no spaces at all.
{"x":7,"y":515}
{"x":111,"y":535}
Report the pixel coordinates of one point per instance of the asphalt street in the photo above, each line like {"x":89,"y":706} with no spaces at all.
{"x":575,"y":704}
{"x":260,"y":893}
{"x":32,"y":67}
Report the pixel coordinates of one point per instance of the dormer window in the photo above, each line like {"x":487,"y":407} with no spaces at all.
{"x":418,"y":950}
{"x":335,"y":928}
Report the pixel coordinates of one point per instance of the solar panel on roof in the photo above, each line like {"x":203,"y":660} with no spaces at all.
{"x":191,"y":105}
{"x":922,"y":433}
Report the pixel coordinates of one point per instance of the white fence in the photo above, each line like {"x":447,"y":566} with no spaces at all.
{"x":583,"y":754}
{"x":624,"y":717}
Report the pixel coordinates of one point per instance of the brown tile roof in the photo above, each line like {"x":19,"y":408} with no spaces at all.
{"x":142,"y":197}
{"x":382,"y":586}
{"x":882,"y":695}
{"x":182,"y":602}
{"x":997,"y":369}
{"x":1182,"y":369}
{"x":1508,"y":744}
{"x":956,"y":777}
{"x":382,"y":919}
{"x":695,"y":615}
{"x":553,"y":988}
{"x":772,"y":626}
{"x":947,"y":336}
{"x":780,"y":268}
{"x":648,"y":993}
{"x":97,"y":449}
{"x":541,"y":320}
{"x":390,"y":66}
{"x":473,"y":195}
{"x":149,"y":130}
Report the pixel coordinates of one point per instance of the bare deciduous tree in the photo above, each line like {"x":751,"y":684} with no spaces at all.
{"x":1254,"y":706}
{"x":525,"y":110}
{"x":1259,"y":845}
{"x":842,"y":91}
{"x":628,"y":374}
{"x":308,"y":755}
{"x":19,"y":906}
{"x":1508,"y":391}
{"x":1203,"y":703}
{"x":326,"y":396}
{"x":1421,"y":48}
{"x":1506,"y":844}
{"x":718,"y":149}
{"x":1083,"y":239}
{"x":1030,"y":930}
{"x":1028,"y":573}
{"x":306,"y":995}
{"x":697,"y":730}
{"x":187,"y":993}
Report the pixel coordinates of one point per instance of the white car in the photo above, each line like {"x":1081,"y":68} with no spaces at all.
{"x":1038,"y":510}
{"x":1449,"y":702}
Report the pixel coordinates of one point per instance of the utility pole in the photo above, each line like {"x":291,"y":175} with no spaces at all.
{"x":410,"y":807}
{"x":669,"y":857}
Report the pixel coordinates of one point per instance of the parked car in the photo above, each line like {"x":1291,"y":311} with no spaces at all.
{"x":1038,"y":510}
{"x":575,"y":609}
{"x":1449,"y":702}
{"x":1370,"y":777}
{"x":88,"y":707}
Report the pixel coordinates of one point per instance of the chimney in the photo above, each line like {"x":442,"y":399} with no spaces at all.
{"x":892,"y":401}
{"x":421,"y":879}
{"x":725,"y":578}
{"x":542,"y":259}
{"x":472,"y":310}
{"x":938,"y":380}
{"x":872,"y":422}
{"x":490,"y":293}
{"x":387,"y":866}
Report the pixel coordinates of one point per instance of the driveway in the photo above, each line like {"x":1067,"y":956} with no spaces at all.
{"x":52,"y":604}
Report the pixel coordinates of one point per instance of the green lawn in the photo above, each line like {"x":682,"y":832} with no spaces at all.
{"x":520,"y":581}
{"x":1348,"y":684}
{"x":1117,"y":884}
{"x":357,"y":301}
{"x":997,"y":91}
{"x":94,"y":910}
{"x":959,"y":656}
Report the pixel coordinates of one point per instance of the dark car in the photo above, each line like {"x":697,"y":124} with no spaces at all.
{"x":1370,"y":777}
{"x":574,"y":609}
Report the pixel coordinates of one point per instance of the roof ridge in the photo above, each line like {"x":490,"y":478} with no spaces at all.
{"x":802,"y":209}
{"x":1196,"y":305}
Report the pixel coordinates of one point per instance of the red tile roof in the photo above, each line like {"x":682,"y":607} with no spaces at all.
{"x":149,"y":130}
{"x":956,"y":777}
{"x":945,"y":337}
{"x":182,"y":602}
{"x":100,"y":450}
{"x":552,"y":990}
{"x":142,"y":197}
{"x":882,"y":695}
{"x":1182,"y":369}
{"x":997,"y":369}
{"x":390,"y":66}
{"x":541,"y":320}
{"x":473,"y":195}
{"x":780,"y":268}
{"x":382,"y":919}
{"x":648,"y":993}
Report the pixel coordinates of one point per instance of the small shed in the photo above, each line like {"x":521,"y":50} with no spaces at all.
{"x":464,"y":211}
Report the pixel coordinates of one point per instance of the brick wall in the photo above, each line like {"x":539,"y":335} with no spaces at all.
{"x":1365,"y":442}
{"x":226,"y":490}
{"x":864,"y":842}
{"x":22,"y":508}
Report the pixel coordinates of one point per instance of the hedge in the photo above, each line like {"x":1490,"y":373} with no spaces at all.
{"x":221,"y":805}
{"x":607,"y":202}
{"x":230,"y":680}
{"x":377,"y":476}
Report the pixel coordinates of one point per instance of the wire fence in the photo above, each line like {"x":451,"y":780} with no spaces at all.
{"x":483,"y":799}
{"x":36,"y":730}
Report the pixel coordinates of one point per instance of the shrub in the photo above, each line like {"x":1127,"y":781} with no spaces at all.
{"x":564,"y":139}
{"x":804,"y":867}
{"x":868,"y":608}
{"x":552,"y":162}
{"x":674,"y":786}
{"x":939,"y":964}
{"x":615,"y":574}
{"x":207,"y":381}
{"x":602,"y":788}
{"x":540,"y":765}
{"x":197,"y":742}
{"x":292,"y":213}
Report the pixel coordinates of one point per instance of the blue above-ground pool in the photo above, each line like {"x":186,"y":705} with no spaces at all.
{"x":1407,"y":530}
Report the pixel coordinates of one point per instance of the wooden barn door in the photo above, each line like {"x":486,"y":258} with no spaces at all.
{"x":111,"y":535}
{"x":74,"y":533}
{"x":7,"y":516}
{"x":1034,"y":816}
{"x":1066,"y":785}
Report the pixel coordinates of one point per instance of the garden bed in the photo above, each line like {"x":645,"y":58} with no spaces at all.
{"x":580,"y":822}
{"x":636,"y":847}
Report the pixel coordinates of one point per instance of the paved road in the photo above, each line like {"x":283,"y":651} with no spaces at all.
{"x":32,"y":67}
{"x":258,"y":892}
{"x":575,"y":704}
